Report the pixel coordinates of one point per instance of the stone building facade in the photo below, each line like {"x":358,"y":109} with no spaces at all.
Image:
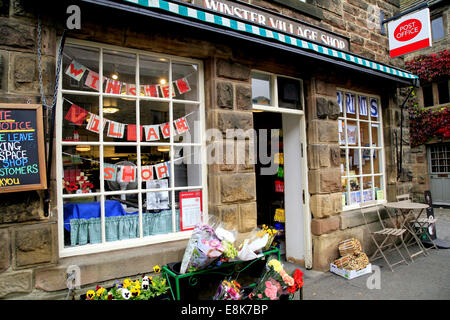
{"x":30,"y":263}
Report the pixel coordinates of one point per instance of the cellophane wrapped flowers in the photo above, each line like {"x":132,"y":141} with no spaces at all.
{"x":276,"y":282}
{"x":228,"y":290}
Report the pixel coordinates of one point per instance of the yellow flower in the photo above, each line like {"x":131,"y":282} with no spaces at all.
{"x":135,"y":292}
{"x":126,"y":283}
{"x":156,"y":269}
{"x":275,"y":264}
{"x":100,"y":292}
{"x":90,"y":294}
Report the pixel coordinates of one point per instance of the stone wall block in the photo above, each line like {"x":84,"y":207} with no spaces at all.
{"x":15,"y":282}
{"x":232,"y":70}
{"x":325,"y":205}
{"x":33,"y":245}
{"x":17,"y":35}
{"x":323,"y":226}
{"x":227,"y":120}
{"x":4,"y":67}
{"x":324,"y":180}
{"x":225,"y":96}
{"x":240,"y":187}
{"x":243,"y":97}
{"x":247,"y":217}
{"x":5,"y":250}
{"x":323,"y":131}
{"x":318,"y":156}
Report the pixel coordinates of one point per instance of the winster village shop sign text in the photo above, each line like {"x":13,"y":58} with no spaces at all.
{"x":274,"y":21}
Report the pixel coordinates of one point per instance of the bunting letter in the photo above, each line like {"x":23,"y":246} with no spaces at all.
{"x":113,"y":86}
{"x":181,"y":125}
{"x":147,"y":173}
{"x":162,"y":170}
{"x":151,"y":133}
{"x":165,"y":129}
{"x":110,"y":172}
{"x":94,"y":123}
{"x":75,"y":70}
{"x":92,"y":80}
{"x":115,"y":129}
{"x":151,"y":90}
{"x":127,"y":174}
{"x":76,"y":115}
{"x":183,"y":85}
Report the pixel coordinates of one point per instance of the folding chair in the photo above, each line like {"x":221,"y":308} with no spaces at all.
{"x":403,"y":197}
{"x":388,"y":235}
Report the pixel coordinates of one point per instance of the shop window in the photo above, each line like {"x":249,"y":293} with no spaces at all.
{"x":437,"y":28}
{"x":271,"y":91}
{"x":129,"y":148}
{"x":361,"y":146}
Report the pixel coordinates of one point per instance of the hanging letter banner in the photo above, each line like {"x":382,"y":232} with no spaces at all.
{"x":92,"y":80}
{"x":94,"y":123}
{"x":151,"y":133}
{"x":115,"y":129}
{"x":181,"y":125}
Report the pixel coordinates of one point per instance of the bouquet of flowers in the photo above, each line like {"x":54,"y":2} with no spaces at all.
{"x":141,"y":289}
{"x":203,"y":248}
{"x":228,"y":290}
{"x":271,"y":232}
{"x":276,"y":282}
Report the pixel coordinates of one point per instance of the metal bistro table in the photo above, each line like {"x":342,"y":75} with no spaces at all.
{"x":226,"y":269}
{"x":404,"y":211}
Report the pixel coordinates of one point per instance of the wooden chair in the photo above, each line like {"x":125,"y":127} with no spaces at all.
{"x":388,"y":236}
{"x":403,"y":197}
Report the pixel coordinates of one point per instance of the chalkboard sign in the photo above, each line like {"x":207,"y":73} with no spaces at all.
{"x":22,"y":154}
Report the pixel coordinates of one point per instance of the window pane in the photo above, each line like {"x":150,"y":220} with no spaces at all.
{"x":81,"y":221}
{"x":261,"y":89}
{"x":344,"y":161}
{"x":154,"y":117}
{"x":376,"y":135}
{"x":155,"y":165}
{"x":120,"y":116}
{"x":366,"y":161}
{"x":443,"y":92}
{"x":81,"y":120}
{"x":81,"y":169}
{"x":153,"y":74}
{"x":119,"y":71}
{"x":354,"y":162}
{"x":367,"y":189}
{"x":374,"y":109}
{"x":120,"y":168}
{"x":187,"y":166}
{"x":345,"y":193}
{"x":350,"y":105}
{"x":80,"y":68}
{"x":352,"y":133}
{"x":121,"y":217}
{"x":427,"y":95}
{"x":364,"y":134}
{"x":377,"y":153}
{"x":363,"y":107}
{"x":437,"y":28}
{"x":185,"y":79}
{"x":341,"y":124}
{"x":379,"y":188}
{"x":187,"y":126}
{"x":340,"y":101}
{"x":289,"y":93}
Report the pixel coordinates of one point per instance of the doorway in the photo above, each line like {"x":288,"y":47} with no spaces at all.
{"x":439,"y":171}
{"x":281,"y":182}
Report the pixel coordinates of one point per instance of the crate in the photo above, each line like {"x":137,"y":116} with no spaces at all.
{"x":350,"y":274}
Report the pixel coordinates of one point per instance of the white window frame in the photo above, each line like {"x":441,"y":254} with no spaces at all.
{"x":274,"y":94}
{"x":346,"y":147}
{"x":141,"y":241}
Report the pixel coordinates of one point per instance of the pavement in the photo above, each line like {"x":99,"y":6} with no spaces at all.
{"x":426,"y":278}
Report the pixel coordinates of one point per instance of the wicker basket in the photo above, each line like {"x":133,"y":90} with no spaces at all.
{"x":349,"y":246}
{"x":358,"y":261}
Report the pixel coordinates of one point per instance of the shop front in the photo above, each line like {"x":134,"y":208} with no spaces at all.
{"x":168,"y":113}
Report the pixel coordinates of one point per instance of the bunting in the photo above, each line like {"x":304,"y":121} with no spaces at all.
{"x":78,"y":115}
{"x":76,"y":70}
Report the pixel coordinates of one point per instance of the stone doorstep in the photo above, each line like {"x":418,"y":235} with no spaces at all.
{"x":97,"y":268}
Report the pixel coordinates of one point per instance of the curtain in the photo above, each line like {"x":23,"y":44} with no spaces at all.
{"x":84,"y":231}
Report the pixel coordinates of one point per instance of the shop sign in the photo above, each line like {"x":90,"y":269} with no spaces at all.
{"x":275,"y":21}
{"x":409,"y":33}
{"x":22,"y":153}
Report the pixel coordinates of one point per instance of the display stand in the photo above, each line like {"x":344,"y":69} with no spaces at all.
{"x":226,"y":269}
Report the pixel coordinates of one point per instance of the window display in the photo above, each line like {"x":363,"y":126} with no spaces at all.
{"x":361,"y":148}
{"x":128,"y":144}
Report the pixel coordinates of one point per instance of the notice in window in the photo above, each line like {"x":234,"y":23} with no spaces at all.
{"x":190,"y":209}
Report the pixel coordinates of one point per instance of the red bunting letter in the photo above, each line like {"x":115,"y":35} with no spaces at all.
{"x":76,"y":115}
